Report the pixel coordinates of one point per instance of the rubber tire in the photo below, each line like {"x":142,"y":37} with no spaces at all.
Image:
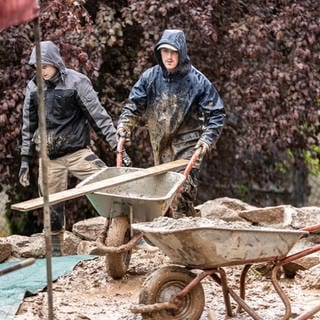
{"x":168,"y":280}
{"x":119,"y":233}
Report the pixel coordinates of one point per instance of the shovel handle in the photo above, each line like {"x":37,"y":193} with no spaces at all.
{"x":120,"y":151}
{"x":192,"y":161}
{"x":313,"y":228}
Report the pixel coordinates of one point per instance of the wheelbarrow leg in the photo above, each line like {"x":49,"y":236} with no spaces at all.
{"x":222,"y":280}
{"x":308,"y":314}
{"x":243,"y":284}
{"x":280,"y":292}
{"x":244,"y":305}
{"x":103,"y":234}
{"x":277,"y":287}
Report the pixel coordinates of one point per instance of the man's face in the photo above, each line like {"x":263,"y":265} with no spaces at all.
{"x":170,"y":59}
{"x":48,"y":71}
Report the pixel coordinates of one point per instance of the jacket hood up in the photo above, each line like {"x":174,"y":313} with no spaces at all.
{"x":50,"y":54}
{"x":176,"y":38}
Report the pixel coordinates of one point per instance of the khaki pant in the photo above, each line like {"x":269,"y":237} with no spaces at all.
{"x":80,"y":164}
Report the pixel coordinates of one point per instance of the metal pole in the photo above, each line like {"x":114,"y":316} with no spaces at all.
{"x":44,"y":159}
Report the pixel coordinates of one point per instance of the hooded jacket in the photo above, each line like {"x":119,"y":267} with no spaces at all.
{"x":180,"y":107}
{"x":71,"y":104}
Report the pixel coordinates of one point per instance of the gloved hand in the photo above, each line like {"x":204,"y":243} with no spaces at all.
{"x":126,"y":161}
{"x":24,"y":176}
{"x":204,"y":147}
{"x":123,"y":132}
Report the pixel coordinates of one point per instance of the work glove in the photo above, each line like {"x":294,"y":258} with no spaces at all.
{"x":24,"y":175}
{"x":126,"y":161}
{"x":204,"y":147}
{"x":123,"y":132}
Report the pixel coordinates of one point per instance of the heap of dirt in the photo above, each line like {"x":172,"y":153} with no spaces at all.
{"x":169,"y":224}
{"x":310,"y":278}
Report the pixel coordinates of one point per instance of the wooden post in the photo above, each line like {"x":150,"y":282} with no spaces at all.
{"x":44,"y":159}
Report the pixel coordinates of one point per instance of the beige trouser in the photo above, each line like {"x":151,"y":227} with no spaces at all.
{"x":80,"y":164}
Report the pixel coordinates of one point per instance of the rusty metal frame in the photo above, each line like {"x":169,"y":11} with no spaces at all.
{"x":220,"y":277}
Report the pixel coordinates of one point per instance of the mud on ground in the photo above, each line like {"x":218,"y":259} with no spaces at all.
{"x":88,"y":293}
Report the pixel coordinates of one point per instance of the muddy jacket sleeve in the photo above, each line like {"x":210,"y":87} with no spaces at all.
{"x":213,"y":109}
{"x":137,"y":101}
{"x":29,"y":121}
{"x":97,"y":116}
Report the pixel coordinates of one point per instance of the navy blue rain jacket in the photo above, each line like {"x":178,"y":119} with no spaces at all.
{"x":180,"y":107}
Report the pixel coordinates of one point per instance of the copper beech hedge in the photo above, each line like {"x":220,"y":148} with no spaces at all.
{"x":263,"y":56}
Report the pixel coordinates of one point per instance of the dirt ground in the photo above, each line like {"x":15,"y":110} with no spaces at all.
{"x":88,"y":293}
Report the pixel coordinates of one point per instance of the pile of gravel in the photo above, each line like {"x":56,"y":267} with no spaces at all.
{"x":165,"y":223}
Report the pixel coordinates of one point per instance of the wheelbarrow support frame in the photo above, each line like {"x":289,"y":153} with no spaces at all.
{"x":219,"y":276}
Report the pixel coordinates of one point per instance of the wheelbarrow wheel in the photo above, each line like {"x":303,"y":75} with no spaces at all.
{"x":118,"y":234}
{"x":165,"y":282}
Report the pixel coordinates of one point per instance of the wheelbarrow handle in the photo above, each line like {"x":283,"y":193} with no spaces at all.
{"x":192,"y":161}
{"x":314,"y":228}
{"x":120,"y":151}
{"x":186,"y":172}
{"x":18,"y":266}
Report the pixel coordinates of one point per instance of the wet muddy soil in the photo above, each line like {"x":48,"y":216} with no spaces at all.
{"x":88,"y":293}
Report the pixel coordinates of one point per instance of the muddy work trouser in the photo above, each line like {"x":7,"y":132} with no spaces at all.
{"x":80,"y":164}
{"x":183,"y":203}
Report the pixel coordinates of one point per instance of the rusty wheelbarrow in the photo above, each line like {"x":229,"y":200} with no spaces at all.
{"x":135,"y":201}
{"x":175,"y":292}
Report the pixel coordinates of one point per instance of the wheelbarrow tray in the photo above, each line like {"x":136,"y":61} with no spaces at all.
{"x":212,"y":247}
{"x":148,"y":197}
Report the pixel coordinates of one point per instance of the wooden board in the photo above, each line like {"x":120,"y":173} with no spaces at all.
{"x":92,"y":187}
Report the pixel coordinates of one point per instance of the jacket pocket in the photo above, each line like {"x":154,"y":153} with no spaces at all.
{"x":63,"y":103}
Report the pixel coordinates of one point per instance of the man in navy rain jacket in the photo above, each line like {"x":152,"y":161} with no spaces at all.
{"x":184,"y":112}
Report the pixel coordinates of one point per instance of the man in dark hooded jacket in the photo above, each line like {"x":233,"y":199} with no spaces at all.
{"x":71,"y":106}
{"x":184,"y":111}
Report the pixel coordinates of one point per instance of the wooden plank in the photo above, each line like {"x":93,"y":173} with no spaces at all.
{"x":92,"y":187}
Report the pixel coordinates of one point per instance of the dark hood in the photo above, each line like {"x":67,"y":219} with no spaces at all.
{"x":50,"y":54}
{"x":176,"y":38}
